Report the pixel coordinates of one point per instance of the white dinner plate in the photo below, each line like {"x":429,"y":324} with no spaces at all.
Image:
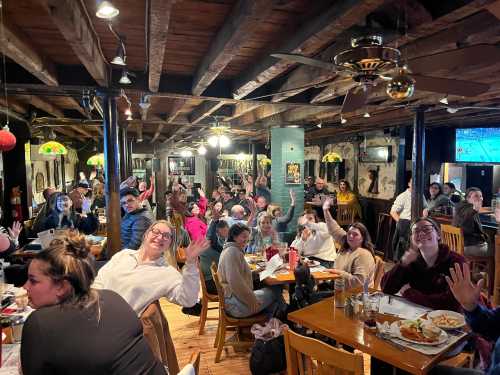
{"x":434,"y":314}
{"x":397,"y":333}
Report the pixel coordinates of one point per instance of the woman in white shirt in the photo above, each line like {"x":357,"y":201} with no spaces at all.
{"x":315,"y":241}
{"x":143,"y":276}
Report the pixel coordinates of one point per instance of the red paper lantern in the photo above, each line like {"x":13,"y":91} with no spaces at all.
{"x":7,"y":139}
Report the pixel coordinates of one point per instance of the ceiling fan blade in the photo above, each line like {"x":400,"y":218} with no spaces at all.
{"x":481,"y":54}
{"x":449,"y":86}
{"x":295,"y":89}
{"x":355,"y":99}
{"x":305,"y":60}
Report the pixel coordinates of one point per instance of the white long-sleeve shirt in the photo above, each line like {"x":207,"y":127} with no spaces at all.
{"x":140,"y":284}
{"x":319,"y":244}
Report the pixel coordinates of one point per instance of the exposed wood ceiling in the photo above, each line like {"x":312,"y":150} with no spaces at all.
{"x":196,"y":59}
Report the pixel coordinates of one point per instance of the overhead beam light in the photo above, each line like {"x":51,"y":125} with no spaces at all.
{"x":366,"y":115}
{"x":444,"y":100}
{"x":319,"y":125}
{"x":124,"y":80}
{"x":106,"y":10}
{"x":342,"y":120}
{"x":128,"y":112}
{"x":121,"y":56}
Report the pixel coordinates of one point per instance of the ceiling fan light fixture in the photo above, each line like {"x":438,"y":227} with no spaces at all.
{"x":202,"y":150}
{"x":106,"y":10}
{"x":224,"y":141}
{"x":401,"y":86}
{"x":213,"y":140}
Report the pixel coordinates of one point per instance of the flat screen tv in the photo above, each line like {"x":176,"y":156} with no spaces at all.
{"x":477,"y":145}
{"x":375,"y":154}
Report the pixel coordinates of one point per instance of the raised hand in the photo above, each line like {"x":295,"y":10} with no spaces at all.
{"x":302,"y":220}
{"x":251,"y":204}
{"x":195,"y":248}
{"x":410,"y":256}
{"x":201,"y":192}
{"x":93,"y":174}
{"x":465,"y":292}
{"x":14,"y":230}
{"x":327,"y":204}
{"x":292,"y":197}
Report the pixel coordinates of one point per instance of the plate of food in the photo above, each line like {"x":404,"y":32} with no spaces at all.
{"x":418,"y":331}
{"x":446,"y":319}
{"x":311,"y":263}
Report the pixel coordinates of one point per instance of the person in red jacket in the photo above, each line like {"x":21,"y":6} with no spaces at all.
{"x":194,"y":221}
{"x":420,"y":275}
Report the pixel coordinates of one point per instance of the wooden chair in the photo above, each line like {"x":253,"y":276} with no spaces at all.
{"x":454,"y":238}
{"x":379,"y":272}
{"x":345,"y":214}
{"x":195,"y":361}
{"x":157,"y":335}
{"x":206,"y":298}
{"x":311,"y":356}
{"x":229,"y":323}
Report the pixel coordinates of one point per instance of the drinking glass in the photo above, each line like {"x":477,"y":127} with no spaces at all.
{"x":371,"y":306}
{"x":339,"y":296}
{"x":21,"y":298}
{"x":17,"y":330}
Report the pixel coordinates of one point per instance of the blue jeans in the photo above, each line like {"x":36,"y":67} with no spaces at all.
{"x":268,"y":297}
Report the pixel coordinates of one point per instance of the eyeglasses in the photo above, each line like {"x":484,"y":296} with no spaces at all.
{"x":426,"y":229}
{"x":130,"y":200}
{"x":164,"y":235}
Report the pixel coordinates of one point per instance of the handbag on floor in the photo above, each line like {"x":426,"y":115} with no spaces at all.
{"x":268,"y":353}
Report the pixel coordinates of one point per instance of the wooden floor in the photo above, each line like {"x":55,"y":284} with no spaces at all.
{"x":184,"y":331}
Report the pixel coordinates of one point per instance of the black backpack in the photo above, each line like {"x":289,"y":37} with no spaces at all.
{"x":268,"y":357}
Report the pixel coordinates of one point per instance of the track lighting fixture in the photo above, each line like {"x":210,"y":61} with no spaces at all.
{"x":121,"y":56}
{"x":128,"y":112}
{"x":366,"y":115}
{"x":319,"y":125}
{"x":342,"y":120}
{"x":124,"y":80}
{"x":444,"y":100}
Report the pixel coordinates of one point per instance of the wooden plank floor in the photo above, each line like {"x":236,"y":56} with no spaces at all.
{"x":184,"y":331}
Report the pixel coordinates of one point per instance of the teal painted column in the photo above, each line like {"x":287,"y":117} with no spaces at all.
{"x":287,"y":145}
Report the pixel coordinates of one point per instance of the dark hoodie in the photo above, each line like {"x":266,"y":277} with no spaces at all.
{"x":468,"y":219}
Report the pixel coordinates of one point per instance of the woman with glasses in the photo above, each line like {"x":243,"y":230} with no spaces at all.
{"x":143,"y":276}
{"x":63,"y":216}
{"x":420,"y":275}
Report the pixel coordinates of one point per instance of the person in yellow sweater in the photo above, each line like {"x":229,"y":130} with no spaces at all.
{"x":347,"y":197}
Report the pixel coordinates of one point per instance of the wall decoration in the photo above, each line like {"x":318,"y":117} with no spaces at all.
{"x":292,"y":173}
{"x":373,"y":176}
{"x":39,"y":182}
{"x":181,"y":165}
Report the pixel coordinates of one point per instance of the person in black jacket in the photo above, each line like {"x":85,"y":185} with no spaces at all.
{"x":63,"y":216}
{"x":467,"y":217}
{"x":76,"y":329}
{"x":136,"y":220}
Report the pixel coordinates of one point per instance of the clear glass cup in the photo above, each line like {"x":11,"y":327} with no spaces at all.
{"x":21,"y":299}
{"x":340,"y":293}
{"x":371,"y":306}
{"x":17,"y":330}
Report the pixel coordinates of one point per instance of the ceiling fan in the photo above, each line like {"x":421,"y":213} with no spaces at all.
{"x":369,"y":63}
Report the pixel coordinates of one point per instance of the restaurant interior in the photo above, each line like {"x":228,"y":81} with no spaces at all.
{"x":300,"y":123}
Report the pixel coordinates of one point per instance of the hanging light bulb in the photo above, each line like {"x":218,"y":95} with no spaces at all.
{"x":106,"y":10}
{"x":224,"y":141}
{"x":319,"y":125}
{"x":366,"y":115}
{"x":129,"y":117}
{"x":186,"y":153}
{"x":342,"y":120}
{"x":121,"y":57}
{"x":202,"y":150}
{"x":444,"y":100}
{"x":124,"y":80}
{"x":128,"y":112}
{"x":213,"y":140}
{"x":7,"y":139}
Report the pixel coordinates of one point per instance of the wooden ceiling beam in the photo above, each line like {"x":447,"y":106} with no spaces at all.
{"x":14,"y":105}
{"x":258,"y":114}
{"x":83,"y":132}
{"x":204,"y":110}
{"x":309,"y":39}
{"x":242,"y":22}
{"x":66,"y":132}
{"x":159,"y":21}
{"x":239,"y":109}
{"x":17,"y":46}
{"x":157,"y":133}
{"x":176,"y":109}
{"x":42,"y":104}
{"x":74,"y":25}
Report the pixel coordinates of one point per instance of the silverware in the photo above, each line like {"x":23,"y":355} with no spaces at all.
{"x":389,"y":341}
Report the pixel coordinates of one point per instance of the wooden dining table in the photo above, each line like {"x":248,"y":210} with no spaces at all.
{"x":323,"y":317}
{"x":289,"y":277}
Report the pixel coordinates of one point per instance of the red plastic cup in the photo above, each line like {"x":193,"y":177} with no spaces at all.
{"x":270,"y":252}
{"x":293,"y":258}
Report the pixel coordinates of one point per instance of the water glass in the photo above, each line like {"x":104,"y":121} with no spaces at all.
{"x":17,"y":325}
{"x":371,"y":306}
{"x":21,"y":299}
{"x":340,"y":293}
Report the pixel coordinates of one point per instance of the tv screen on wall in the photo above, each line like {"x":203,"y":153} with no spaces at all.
{"x":477,"y":145}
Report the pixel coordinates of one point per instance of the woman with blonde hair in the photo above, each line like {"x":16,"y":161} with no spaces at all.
{"x":263,"y":235}
{"x":143,"y":276}
{"x":75,"y":328}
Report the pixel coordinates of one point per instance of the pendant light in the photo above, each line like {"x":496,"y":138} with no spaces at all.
{"x":106,"y":10}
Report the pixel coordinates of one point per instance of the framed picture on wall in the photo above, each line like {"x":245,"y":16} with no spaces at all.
{"x":292,"y":173}
{"x":39,"y":182}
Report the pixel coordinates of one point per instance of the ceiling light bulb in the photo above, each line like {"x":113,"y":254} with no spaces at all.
{"x":128,"y":112}
{"x":202,"y":150}
{"x":342,"y":120}
{"x":224,"y":141}
{"x":319,"y":125}
{"x":124,"y":80}
{"x":106,"y":10}
{"x":213,"y":140}
{"x":444,"y":100}
{"x":452,"y":110}
{"x":366,"y":115}
{"x":129,"y":118}
{"x":118,"y":60}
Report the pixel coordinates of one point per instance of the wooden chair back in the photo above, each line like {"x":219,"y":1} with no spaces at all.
{"x":345,"y":214}
{"x":453,"y":237}
{"x":206,"y":298}
{"x":311,"y":356}
{"x":379,"y":272}
{"x":220,"y":290}
{"x":157,"y":335}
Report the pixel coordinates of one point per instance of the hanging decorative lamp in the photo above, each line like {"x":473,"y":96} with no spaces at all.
{"x":52,"y":148}
{"x":7,"y":139}
{"x":97,"y":160}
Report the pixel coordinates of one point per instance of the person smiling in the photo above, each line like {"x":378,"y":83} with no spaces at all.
{"x":355,"y":261}
{"x":76,"y":329}
{"x":136,"y":219}
{"x":143,"y":276}
{"x":420,"y":275}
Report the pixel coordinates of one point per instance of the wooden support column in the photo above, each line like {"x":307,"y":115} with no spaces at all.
{"x":496,"y":280}
{"x":161,"y":185}
{"x":356,"y":166}
{"x":418,"y":162}
{"x":112,"y":170}
{"x":63,"y":174}
{"x":130,"y":150}
{"x":123,"y":153}
{"x":254,"y":165}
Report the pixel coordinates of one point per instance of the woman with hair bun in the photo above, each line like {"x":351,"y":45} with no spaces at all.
{"x":75,"y":328}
